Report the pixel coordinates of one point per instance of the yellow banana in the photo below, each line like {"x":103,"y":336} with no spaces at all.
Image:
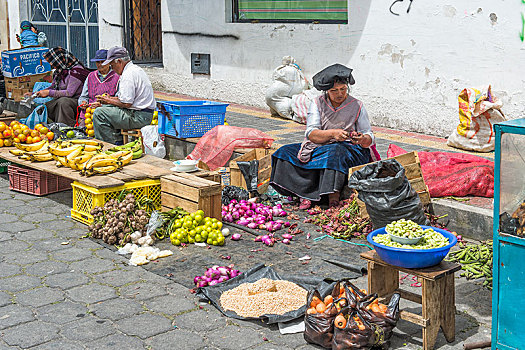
{"x":73,"y":155}
{"x":43,"y":157}
{"x":62,"y":161}
{"x":62,"y":152}
{"x":102,"y":170}
{"x":92,"y":148}
{"x":16,"y":152}
{"x":58,"y":164}
{"x":119,"y":154}
{"x":84,"y":157}
{"x":24,"y":157}
{"x":103,"y":162}
{"x":95,"y":158}
{"x":75,"y":166}
{"x":31,"y":147}
{"x":86,"y":142}
{"x":126,"y":159}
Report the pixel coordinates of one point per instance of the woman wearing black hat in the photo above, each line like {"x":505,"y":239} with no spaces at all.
{"x":338,"y":136}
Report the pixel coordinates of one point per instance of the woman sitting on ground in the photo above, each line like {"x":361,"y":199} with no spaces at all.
{"x":338,"y":137}
{"x":68,"y":80}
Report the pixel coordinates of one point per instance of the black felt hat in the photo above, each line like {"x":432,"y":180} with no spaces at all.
{"x":324,"y":80}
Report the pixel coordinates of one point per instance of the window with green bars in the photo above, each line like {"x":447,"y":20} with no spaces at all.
{"x":303,"y":11}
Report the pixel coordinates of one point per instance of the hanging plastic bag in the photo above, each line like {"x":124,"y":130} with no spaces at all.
{"x":250,"y":172}
{"x":153,"y":141}
{"x":479,"y":110}
{"x":41,"y":85}
{"x":38,"y":116}
{"x":387,"y":193}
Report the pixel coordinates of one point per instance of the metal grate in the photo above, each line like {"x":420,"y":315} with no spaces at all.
{"x":72,"y":24}
{"x":143,"y":31}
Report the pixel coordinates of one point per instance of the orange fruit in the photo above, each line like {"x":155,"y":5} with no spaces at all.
{"x":43,"y":130}
{"x":1,"y":142}
{"x":8,"y":142}
{"x":38,"y":126}
{"x":50,"y":135}
{"x":2,"y":126}
{"x":91,"y":133}
{"x":35,"y":133}
{"x":87,"y":115}
{"x":16,"y":127}
{"x":36,"y":139}
{"x":23,"y":126}
{"x":328,"y":299}
{"x":88,"y":120}
{"x":22,"y":137}
{"x":29,"y":139}
{"x":7,"y":133}
{"x":16,"y":132}
{"x":315,"y":301}
{"x":26,"y":131}
{"x":14,"y":122}
{"x":16,"y":140}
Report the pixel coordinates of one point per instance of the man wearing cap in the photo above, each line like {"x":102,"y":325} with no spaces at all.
{"x":133,"y":105}
{"x":102,"y":81}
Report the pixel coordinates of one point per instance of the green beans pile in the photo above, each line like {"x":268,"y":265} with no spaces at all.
{"x":476,"y":261}
{"x":405,"y":228}
{"x":430,"y":240}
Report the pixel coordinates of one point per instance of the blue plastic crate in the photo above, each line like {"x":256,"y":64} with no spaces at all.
{"x":185,"y":119}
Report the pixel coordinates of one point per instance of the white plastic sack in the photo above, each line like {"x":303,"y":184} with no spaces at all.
{"x":288,"y":80}
{"x":301,"y":102}
{"x":153,"y":141}
{"x":479,"y":110}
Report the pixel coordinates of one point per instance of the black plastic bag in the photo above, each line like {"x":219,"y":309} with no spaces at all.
{"x":250,"y":172}
{"x":233,"y":192}
{"x":213,"y":293}
{"x":387,"y":193}
{"x":358,"y":333}
{"x":60,"y":130}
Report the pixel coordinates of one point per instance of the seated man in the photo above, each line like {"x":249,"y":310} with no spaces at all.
{"x":102,"y":81}
{"x":338,"y":137}
{"x":132,"y":107}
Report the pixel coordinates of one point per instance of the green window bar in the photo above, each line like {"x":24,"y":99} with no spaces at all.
{"x":293,"y":10}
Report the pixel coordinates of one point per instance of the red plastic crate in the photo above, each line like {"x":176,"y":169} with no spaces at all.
{"x":36,"y":182}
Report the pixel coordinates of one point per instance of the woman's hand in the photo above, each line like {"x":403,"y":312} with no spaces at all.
{"x":42,"y":93}
{"x":361,"y":140}
{"x":340,"y":134}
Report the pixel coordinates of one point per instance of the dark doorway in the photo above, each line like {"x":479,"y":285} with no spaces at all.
{"x":142,"y":30}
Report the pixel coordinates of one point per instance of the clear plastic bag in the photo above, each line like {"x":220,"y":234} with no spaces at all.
{"x":153,"y":141}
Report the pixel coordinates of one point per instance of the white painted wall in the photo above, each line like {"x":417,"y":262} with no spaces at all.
{"x":13,"y":16}
{"x":409,"y":69}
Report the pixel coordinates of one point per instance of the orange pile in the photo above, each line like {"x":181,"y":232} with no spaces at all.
{"x":20,"y":133}
{"x":319,"y":306}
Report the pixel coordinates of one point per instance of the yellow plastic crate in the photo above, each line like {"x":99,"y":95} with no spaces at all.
{"x":85,"y":198}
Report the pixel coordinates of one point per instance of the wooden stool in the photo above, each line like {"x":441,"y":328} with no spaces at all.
{"x":136,"y":133}
{"x":437,"y":299}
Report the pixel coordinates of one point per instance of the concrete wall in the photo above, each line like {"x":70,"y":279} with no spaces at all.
{"x":409,"y":68}
{"x":4,"y":26}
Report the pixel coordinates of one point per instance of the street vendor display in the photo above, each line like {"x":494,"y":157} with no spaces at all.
{"x":338,"y":136}
{"x":133,"y":105}
{"x":68,"y":79}
{"x":102,"y":81}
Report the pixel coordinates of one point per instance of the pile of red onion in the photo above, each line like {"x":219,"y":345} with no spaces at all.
{"x":216,"y":274}
{"x":254,"y":215}
{"x":270,"y":240}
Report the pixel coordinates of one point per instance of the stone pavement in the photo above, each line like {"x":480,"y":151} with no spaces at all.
{"x":59,"y":291}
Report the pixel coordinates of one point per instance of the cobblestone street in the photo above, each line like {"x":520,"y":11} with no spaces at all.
{"x":58,"y":291}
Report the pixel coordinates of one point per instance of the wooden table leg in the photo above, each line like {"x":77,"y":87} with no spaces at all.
{"x":381,"y":279}
{"x":431,"y":305}
{"x":448,"y":316}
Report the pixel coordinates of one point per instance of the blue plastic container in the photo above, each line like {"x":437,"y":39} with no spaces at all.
{"x":412,"y":258}
{"x":185,"y":119}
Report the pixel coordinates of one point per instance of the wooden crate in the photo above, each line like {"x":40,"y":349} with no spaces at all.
{"x":191,"y":193}
{"x":264,"y":156}
{"x":410,"y":161}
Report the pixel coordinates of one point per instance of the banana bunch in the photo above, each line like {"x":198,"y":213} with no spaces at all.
{"x":35,"y":152}
{"x":135,"y":147}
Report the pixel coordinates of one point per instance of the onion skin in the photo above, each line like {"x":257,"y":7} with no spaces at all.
{"x":287,"y":236}
{"x":286,"y":241}
{"x":258,"y":239}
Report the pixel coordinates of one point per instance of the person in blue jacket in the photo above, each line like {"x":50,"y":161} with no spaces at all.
{"x":30,"y":36}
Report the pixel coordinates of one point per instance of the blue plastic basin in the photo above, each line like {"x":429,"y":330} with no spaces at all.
{"x":412,"y":258}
